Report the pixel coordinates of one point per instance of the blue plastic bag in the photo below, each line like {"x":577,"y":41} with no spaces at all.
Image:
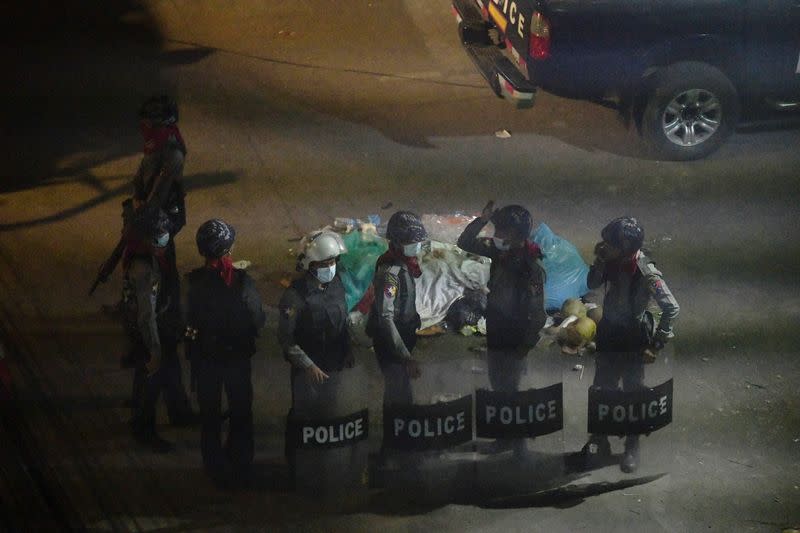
{"x":565,"y":268}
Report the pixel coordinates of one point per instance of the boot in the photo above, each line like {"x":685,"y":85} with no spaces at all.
{"x":595,"y":451}
{"x":630,"y":459}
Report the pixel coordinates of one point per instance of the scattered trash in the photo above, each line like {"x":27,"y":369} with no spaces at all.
{"x":756,"y":385}
{"x":705,"y":359}
{"x":502,"y":134}
{"x":285,"y":282}
{"x":468,"y":331}
{"x":577,"y":368}
{"x":467,"y":310}
{"x":242,"y":264}
{"x":446,"y":228}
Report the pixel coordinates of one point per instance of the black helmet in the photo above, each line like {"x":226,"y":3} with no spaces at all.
{"x":151,"y":222}
{"x":405,"y":227}
{"x":160,"y":109}
{"x":624,"y":233}
{"x":215,"y":238}
{"x":515,"y":218}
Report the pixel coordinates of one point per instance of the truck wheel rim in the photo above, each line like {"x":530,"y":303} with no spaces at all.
{"x":692,"y":117}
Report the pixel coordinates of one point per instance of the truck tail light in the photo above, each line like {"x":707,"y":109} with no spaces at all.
{"x":539,"y":46}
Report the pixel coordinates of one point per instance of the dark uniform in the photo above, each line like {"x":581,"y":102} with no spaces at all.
{"x":515,"y":306}
{"x":227,"y":320}
{"x":153,"y":324}
{"x":158,"y":183}
{"x":623,"y":333}
{"x":313,"y":331}
{"x":626,"y":330}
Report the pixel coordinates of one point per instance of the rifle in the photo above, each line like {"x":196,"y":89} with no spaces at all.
{"x":108,"y":266}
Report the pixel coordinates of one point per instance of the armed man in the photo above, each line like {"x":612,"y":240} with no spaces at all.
{"x":152,"y":321}
{"x":626,"y":337}
{"x":157,"y":184}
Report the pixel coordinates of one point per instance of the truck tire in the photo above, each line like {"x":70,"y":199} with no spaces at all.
{"x":690,"y":109}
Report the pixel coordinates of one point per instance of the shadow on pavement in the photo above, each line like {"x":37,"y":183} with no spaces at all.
{"x":76,"y":74}
{"x":195,"y":181}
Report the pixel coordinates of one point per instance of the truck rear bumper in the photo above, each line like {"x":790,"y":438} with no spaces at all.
{"x":503,"y":76}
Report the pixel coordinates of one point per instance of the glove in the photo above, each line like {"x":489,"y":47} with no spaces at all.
{"x":355,"y":318}
{"x":649,"y":355}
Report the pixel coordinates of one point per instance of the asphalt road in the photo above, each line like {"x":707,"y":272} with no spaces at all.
{"x":296,"y":113}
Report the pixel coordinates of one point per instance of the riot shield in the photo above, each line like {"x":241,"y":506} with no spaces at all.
{"x":329,"y":430}
{"x":427,"y":443}
{"x":519,"y":416}
{"x":621,"y":412}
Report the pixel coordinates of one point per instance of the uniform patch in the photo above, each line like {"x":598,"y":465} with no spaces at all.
{"x":390,"y":291}
{"x":658,"y":286}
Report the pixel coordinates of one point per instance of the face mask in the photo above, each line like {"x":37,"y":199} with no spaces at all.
{"x":325,"y":275}
{"x":162,"y":240}
{"x":412,"y":250}
{"x":501,"y":244}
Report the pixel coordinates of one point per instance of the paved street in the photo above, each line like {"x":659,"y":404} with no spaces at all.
{"x":295,"y":113}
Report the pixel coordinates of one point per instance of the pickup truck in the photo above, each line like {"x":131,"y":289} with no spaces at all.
{"x":683,"y":70}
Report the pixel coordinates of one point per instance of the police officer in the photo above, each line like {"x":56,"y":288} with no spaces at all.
{"x":159,"y":178}
{"x":151,"y":322}
{"x":625,"y":339}
{"x":223,"y":315}
{"x":393,"y":319}
{"x":313,"y":332}
{"x":515,"y":306}
{"x":158,"y":181}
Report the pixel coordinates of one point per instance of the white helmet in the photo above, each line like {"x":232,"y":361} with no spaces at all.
{"x":320,"y":246}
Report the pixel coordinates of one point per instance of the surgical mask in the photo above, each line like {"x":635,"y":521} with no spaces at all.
{"x":412,"y":250}
{"x":326,"y":274}
{"x":501,"y":244}
{"x":162,"y":240}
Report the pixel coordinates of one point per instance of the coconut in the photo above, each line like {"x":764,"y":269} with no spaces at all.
{"x":586,"y":328}
{"x":573,"y":306}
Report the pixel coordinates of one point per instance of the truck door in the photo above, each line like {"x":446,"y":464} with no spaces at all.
{"x":773,"y":47}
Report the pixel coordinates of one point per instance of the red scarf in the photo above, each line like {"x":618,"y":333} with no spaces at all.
{"x":393,"y":255}
{"x":136,"y":247}
{"x":624,"y":265}
{"x":530,"y":249}
{"x":224,"y":265}
{"x":155,"y":138}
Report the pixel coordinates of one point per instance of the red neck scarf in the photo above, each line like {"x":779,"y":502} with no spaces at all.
{"x":156,"y":137}
{"x":136,"y":247}
{"x":224,"y":265}
{"x":623,"y":265}
{"x":393,"y":254}
{"x":530,"y":249}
